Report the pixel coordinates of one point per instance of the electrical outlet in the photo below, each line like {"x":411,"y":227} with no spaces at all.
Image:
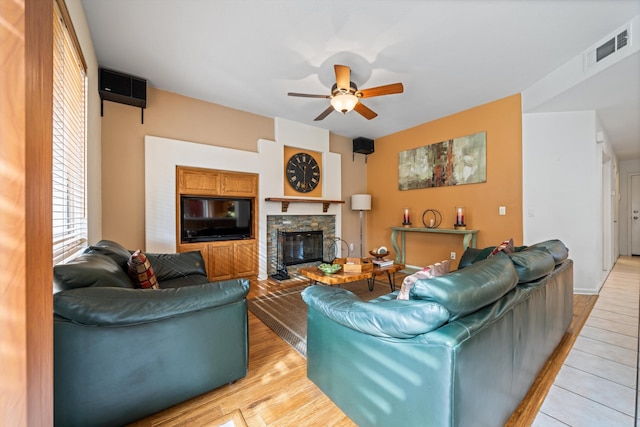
{"x":453,"y":255}
{"x":351,"y":247}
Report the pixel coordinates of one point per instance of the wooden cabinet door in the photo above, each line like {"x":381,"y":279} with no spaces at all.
{"x":198,"y":181}
{"x":220,"y":266}
{"x":239,"y":184}
{"x":245,"y":258}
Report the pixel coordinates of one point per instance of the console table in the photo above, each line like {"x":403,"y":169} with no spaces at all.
{"x":469,"y":238}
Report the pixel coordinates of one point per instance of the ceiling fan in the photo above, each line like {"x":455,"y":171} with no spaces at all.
{"x":345,"y":95}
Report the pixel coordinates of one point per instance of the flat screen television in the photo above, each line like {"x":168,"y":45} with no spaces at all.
{"x":206,"y":219}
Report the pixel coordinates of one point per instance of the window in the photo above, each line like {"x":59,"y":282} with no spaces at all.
{"x":69,"y":140}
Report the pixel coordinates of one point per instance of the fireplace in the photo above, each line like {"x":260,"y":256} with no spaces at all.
{"x":297,"y":247}
{"x":322,"y":229}
{"x":300,"y":247}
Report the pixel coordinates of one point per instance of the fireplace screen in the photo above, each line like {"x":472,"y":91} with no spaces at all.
{"x":299,"y":247}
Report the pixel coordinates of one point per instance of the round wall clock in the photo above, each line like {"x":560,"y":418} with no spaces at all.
{"x":303,"y":172}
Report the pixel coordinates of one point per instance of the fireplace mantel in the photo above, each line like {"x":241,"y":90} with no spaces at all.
{"x":285,"y":202}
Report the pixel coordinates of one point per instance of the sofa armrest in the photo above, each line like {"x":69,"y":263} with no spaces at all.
{"x":382,"y":318}
{"x":106,"y":306}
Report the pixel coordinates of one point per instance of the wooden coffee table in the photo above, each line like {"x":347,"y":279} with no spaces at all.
{"x":314,"y":274}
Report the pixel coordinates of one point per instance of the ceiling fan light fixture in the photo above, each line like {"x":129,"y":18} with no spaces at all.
{"x":344,"y":102}
{"x":345,"y":95}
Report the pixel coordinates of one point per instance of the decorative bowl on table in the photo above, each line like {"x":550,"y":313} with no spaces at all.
{"x":379,"y":253}
{"x":329,"y":268}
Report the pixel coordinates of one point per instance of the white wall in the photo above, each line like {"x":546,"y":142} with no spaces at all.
{"x":608,"y":201}
{"x":571,"y":175}
{"x":627,"y":167}
{"x":573,"y":72}
{"x":162,"y":155}
{"x":562,"y":181}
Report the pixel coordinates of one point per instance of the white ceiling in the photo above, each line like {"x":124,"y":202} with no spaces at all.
{"x":450,"y":55}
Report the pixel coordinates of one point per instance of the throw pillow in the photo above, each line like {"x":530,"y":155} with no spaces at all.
{"x":433,"y":270}
{"x":507,"y":247}
{"x":141,"y":271}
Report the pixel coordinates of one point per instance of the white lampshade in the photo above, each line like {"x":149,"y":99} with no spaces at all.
{"x":361,"y":202}
{"x":344,"y":102}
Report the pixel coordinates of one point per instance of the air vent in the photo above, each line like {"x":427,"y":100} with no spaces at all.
{"x":610,"y":46}
{"x":622,"y":39}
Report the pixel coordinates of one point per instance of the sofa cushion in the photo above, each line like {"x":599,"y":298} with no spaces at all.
{"x":532,"y":263}
{"x":472,"y":255}
{"x":556,"y":248}
{"x":174,"y":266}
{"x":87,"y":270}
{"x":141,"y":271}
{"x":383,"y":318}
{"x":433,"y":270}
{"x":113,"y":250}
{"x":467,"y":290}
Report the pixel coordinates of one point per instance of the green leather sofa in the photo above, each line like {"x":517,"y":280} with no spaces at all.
{"x":121,"y":353}
{"x":462,"y":351}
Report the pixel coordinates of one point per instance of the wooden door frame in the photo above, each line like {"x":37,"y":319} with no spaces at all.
{"x":26,"y":336}
{"x":629,"y":213}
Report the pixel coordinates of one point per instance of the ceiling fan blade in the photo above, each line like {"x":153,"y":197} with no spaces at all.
{"x":380,"y":90}
{"x":308,"y":95}
{"x":324,"y":114}
{"x":365,"y":111}
{"x":343,"y":76}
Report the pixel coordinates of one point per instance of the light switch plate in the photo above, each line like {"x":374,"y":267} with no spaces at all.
{"x":502,"y":210}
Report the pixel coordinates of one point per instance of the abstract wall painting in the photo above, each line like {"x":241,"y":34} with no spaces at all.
{"x":457,"y":161}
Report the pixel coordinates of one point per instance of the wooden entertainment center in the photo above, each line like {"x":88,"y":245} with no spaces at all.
{"x":225,"y":259}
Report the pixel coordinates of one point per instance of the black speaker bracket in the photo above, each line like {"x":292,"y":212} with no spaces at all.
{"x":353,"y":156}
{"x":102,"y":111}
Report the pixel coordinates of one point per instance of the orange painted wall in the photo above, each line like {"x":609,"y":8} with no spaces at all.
{"x":502,"y":121}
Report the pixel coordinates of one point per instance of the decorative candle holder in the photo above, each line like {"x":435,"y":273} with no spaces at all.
{"x":431,"y":218}
{"x":406,"y":219}
{"x":459,"y":224}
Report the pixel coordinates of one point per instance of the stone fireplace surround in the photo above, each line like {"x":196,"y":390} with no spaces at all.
{"x":275,"y":223}
{"x":162,"y":155}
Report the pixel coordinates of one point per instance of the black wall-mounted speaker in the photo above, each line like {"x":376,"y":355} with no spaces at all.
{"x":363,"y":145}
{"x":122,"y":88}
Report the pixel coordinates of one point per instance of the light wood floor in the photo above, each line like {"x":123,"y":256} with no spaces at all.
{"x":276,"y":391}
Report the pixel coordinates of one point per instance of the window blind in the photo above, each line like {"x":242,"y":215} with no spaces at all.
{"x":69,"y":145}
